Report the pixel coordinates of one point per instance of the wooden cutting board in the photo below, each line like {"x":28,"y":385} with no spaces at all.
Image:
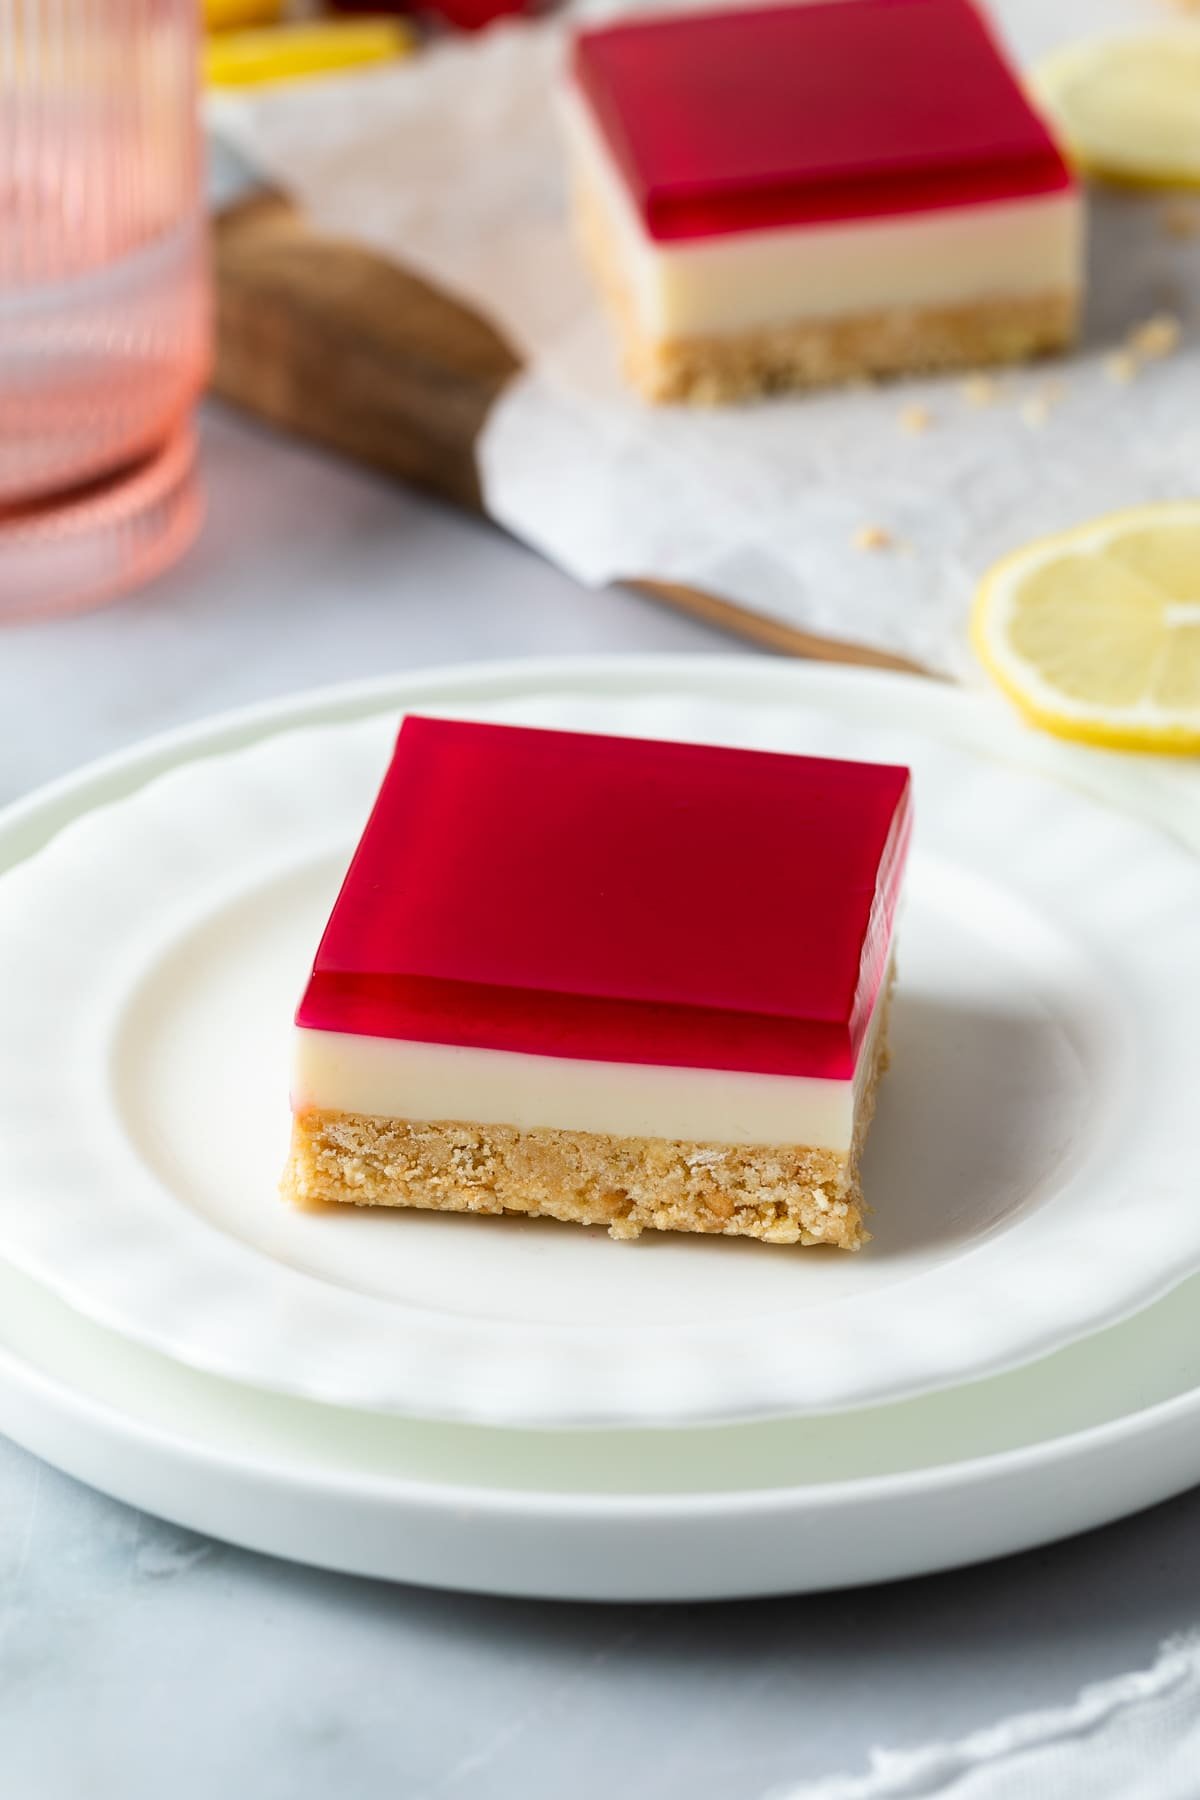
{"x":336,"y":344}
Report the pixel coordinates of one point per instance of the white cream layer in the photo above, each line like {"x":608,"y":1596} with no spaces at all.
{"x":396,"y":1078}
{"x":711,"y":286}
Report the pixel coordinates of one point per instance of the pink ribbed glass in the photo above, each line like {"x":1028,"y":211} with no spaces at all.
{"x":104,"y":295}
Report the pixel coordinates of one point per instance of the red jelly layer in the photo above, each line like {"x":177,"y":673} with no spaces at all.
{"x":618,"y":900}
{"x":792,"y":115}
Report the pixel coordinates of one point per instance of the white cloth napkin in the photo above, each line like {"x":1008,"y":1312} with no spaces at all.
{"x":452,"y":163}
{"x":1135,"y":1738}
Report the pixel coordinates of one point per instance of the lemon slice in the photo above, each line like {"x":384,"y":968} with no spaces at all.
{"x":1096,"y":633}
{"x":1128,"y":107}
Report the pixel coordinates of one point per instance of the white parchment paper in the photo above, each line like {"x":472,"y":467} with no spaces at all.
{"x":1133,"y":1738}
{"x":452,"y":163}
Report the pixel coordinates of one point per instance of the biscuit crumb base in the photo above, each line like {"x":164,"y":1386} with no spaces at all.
{"x":779,"y":1193}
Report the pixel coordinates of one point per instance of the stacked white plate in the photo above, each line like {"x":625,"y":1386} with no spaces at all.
{"x":525,"y":1408}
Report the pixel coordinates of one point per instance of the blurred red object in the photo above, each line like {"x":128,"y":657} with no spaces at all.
{"x":463,"y":15}
{"x":473,"y":15}
{"x":388,"y":7}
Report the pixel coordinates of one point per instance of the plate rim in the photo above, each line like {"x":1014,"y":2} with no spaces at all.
{"x":226,"y":1488}
{"x":708,"y":677}
{"x":1150,"y":785}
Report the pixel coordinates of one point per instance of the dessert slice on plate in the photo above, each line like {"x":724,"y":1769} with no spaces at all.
{"x":800,"y":194}
{"x":622,"y":982}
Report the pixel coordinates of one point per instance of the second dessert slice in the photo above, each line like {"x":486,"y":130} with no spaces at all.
{"x":783,"y":196}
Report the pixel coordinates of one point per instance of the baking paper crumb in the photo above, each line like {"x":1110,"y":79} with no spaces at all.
{"x":1121,"y":367}
{"x":916,"y":419}
{"x":980,"y":390}
{"x":1157,"y":337}
{"x":873,"y":537}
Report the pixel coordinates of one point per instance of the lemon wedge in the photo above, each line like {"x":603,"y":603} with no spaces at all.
{"x":232,"y":15}
{"x":1128,"y":107}
{"x":1096,"y":633}
{"x":294,"y":52}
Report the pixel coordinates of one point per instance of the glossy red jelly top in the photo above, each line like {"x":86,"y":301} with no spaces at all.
{"x":791,"y":115}
{"x":616,"y":899}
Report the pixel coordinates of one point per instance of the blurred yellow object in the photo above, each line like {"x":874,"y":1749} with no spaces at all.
{"x":230,"y":15}
{"x":1127,"y":106}
{"x":291,"y":52}
{"x":1095,"y":633}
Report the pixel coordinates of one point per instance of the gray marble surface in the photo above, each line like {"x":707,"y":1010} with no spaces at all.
{"x":137,"y":1661}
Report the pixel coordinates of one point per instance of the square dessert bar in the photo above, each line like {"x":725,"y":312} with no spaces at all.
{"x":803,"y":194}
{"x":627,"y":983}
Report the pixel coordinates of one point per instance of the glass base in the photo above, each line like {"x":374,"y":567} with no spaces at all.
{"x":96,"y":542}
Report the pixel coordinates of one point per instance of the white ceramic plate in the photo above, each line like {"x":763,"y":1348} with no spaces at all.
{"x":1103,"y":1428}
{"x":150,"y":957}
